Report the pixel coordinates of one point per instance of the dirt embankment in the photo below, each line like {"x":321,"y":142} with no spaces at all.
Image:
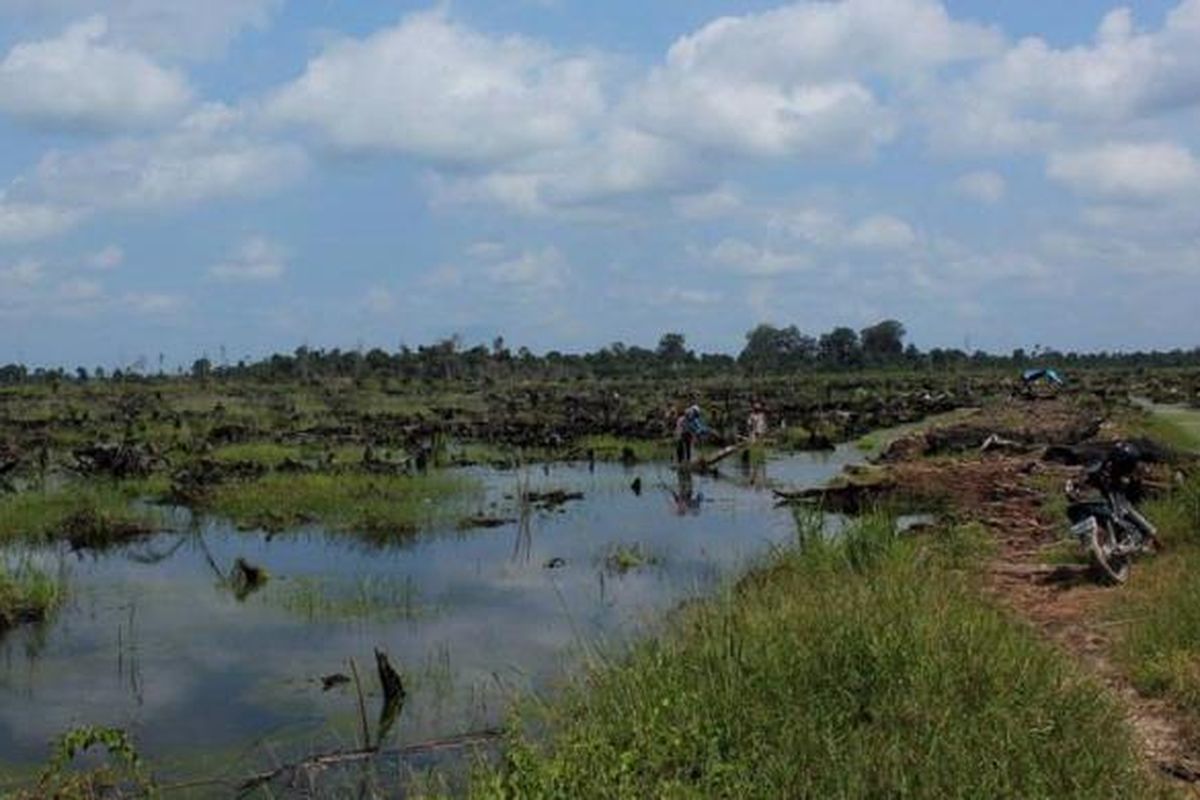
{"x":992,"y":469}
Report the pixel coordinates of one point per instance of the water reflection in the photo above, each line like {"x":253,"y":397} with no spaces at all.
{"x":157,"y":638}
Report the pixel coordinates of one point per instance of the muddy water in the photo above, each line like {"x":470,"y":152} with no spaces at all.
{"x":154,"y":640}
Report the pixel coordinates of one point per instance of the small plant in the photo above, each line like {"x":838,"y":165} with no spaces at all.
{"x":124,"y":768}
{"x":622,"y":558}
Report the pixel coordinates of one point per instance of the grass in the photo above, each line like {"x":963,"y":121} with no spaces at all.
{"x":93,"y":514}
{"x":622,"y":558}
{"x":877,"y":441}
{"x":613,"y":448}
{"x":376,"y":504}
{"x":1175,"y":426}
{"x":27,"y":593}
{"x":862,"y":666}
{"x":1160,"y":608}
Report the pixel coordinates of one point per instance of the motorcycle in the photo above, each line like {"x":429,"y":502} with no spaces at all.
{"x":1109,"y":527}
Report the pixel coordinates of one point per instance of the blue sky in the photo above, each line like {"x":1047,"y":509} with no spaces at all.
{"x":253,"y":175}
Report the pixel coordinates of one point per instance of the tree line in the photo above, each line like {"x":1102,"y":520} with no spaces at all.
{"x":767,"y":349}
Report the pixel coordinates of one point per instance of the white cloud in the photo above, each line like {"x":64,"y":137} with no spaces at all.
{"x":763,"y":119}
{"x":21,"y":275}
{"x":257,"y":259}
{"x":78,"y":290}
{"x":575,"y":180}
{"x":706,"y":205}
{"x":432,"y":88}
{"x":748,"y":259}
{"x":541,"y":270}
{"x":1035,"y":95}
{"x":80,"y":80}
{"x":152,"y":303}
{"x":107,"y":258}
{"x":1138,"y":171}
{"x":829,"y":231}
{"x":882,"y":232}
{"x":209,"y":154}
{"x":174,"y":29}
{"x":983,"y":186}
{"x":675,"y":295}
{"x":24,"y":222}
{"x":794,"y":80}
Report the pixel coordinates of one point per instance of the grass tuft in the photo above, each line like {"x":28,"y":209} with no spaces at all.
{"x":861,"y":666}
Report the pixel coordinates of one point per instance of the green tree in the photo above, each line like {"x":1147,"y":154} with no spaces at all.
{"x":883,"y":342}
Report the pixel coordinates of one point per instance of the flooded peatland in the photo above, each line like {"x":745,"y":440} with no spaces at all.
{"x":223,"y":651}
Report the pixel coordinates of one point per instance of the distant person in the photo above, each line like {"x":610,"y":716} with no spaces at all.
{"x":756,"y":423}
{"x":689,"y":427}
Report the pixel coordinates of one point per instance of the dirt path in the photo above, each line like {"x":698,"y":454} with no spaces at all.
{"x":1006,"y":493}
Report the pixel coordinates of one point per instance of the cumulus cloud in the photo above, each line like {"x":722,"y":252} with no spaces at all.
{"x":256,"y":260}
{"x":830,"y":231}
{"x":795,"y":80}
{"x":435,"y":89}
{"x":167,"y":28}
{"x":25,"y":222}
{"x":882,"y":232}
{"x":1034,"y":93}
{"x":209,"y":154}
{"x":1137,"y":171}
{"x":983,"y":186}
{"x":81,"y":80}
{"x":543,"y":270}
{"x":745,"y":258}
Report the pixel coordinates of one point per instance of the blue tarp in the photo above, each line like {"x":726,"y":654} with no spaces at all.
{"x":1031,"y":375}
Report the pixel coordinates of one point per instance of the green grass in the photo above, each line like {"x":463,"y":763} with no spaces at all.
{"x":27,"y":593}
{"x":1176,"y":426}
{"x":1159,"y":611}
{"x":96,"y":511}
{"x":612,"y":448}
{"x":375,"y":504}
{"x":876,"y":442}
{"x":866,"y":666}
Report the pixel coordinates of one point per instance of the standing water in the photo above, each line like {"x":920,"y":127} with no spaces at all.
{"x":210,"y":677}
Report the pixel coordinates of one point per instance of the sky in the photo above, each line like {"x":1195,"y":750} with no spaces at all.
{"x":239,"y":177}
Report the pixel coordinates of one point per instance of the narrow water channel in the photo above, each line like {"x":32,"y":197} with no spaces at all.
{"x":153,"y":640}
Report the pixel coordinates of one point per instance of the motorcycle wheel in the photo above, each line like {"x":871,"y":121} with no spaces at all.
{"x":1112,"y":566}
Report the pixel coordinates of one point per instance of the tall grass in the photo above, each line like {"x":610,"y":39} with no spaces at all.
{"x":864,"y":666}
{"x":106,"y":508}
{"x":27,"y":593}
{"x":1159,"y":612}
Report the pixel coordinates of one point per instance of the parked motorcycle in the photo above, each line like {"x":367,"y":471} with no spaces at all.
{"x":1106,"y":522}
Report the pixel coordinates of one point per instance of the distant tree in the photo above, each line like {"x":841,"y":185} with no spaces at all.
{"x":201,"y":369}
{"x":883,"y":342}
{"x":672,"y":348}
{"x":768,"y":348}
{"x":839,"y":348}
{"x":81,"y":374}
